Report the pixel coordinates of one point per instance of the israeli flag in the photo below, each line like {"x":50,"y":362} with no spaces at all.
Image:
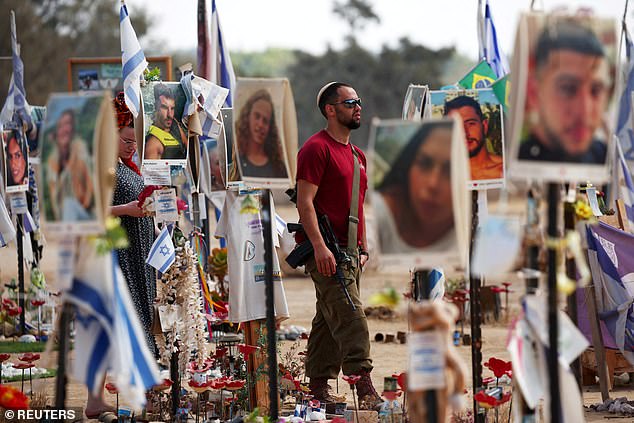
{"x":28,"y":223}
{"x":221,"y":68}
{"x":624,"y":130}
{"x":133,"y":61}
{"x":109,"y":337}
{"x":489,"y":47}
{"x":627,"y":190}
{"x":15,"y":107}
{"x":162,"y":253}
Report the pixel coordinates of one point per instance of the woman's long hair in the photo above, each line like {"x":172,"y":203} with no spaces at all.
{"x":272,"y":143}
{"x":396,"y":181}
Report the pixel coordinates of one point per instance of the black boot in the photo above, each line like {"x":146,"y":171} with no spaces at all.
{"x":321,"y":391}
{"x":369,"y":399}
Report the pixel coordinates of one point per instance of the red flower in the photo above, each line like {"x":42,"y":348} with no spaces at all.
{"x":199,"y":387}
{"x":14,"y":311}
{"x":181,"y":205}
{"x":401,"y":380}
{"x":247,"y":350}
{"x":23,"y":366}
{"x":166,"y":384}
{"x":29,"y":357}
{"x":37,"y":303}
{"x":4,"y":357}
{"x":499,"y":367}
{"x":352,"y":379}
{"x":497,"y":289}
{"x":147,"y":192}
{"x":12,"y":399}
{"x":8,"y":303}
{"x":488,"y":401}
{"x":314,"y":404}
{"x":234,"y":385}
{"x":391,"y":395}
{"x":112,"y":388}
{"x":218,"y":383}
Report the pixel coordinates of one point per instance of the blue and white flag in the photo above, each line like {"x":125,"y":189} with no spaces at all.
{"x":133,"y":61}
{"x":28,"y":223}
{"x":109,"y":337}
{"x":221,"y":68}
{"x":162,"y":253}
{"x":489,"y":47}
{"x":612,"y":264}
{"x":624,"y":130}
{"x":627,"y":189}
{"x":16,"y":107}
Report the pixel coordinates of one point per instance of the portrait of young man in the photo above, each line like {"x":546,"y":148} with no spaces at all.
{"x":484,"y":164}
{"x":166,"y":138}
{"x":568,"y":89}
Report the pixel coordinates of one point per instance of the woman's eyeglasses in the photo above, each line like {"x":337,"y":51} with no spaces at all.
{"x":127,"y":141}
{"x":349,"y":103}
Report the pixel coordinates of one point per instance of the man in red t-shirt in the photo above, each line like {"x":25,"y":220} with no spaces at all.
{"x":339,"y":338}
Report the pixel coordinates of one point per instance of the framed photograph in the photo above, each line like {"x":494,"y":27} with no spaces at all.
{"x":416,"y":99}
{"x":563,"y":78}
{"x":105,"y":73}
{"x":419,"y":197}
{"x":71,"y":193}
{"x":165,"y":133}
{"x":260,"y":157}
{"x":483,"y":124}
{"x":16,"y":159}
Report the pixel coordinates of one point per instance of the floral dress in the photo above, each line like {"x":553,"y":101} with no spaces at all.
{"x":141,"y":278}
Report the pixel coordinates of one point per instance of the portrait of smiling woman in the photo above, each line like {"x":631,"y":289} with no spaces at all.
{"x":16,"y":162}
{"x":258,"y":141}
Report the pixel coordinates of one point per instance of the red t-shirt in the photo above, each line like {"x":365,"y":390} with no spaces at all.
{"x":324,"y":162}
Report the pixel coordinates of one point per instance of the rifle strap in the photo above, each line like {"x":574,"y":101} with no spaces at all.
{"x":353,"y":217}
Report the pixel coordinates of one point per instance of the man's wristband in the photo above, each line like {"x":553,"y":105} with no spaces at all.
{"x":364,"y":253}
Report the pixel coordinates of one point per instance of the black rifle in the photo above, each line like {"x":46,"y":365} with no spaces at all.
{"x":304,"y":251}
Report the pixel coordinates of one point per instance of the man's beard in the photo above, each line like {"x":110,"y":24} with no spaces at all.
{"x":476,"y":151}
{"x":349,"y":123}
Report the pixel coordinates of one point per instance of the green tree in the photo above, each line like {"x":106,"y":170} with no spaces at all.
{"x":381,"y":80}
{"x":356,"y":13}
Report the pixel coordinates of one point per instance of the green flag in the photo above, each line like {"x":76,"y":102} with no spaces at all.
{"x":481,"y":76}
{"x":502,"y":90}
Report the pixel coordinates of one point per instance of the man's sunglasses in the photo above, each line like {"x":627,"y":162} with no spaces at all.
{"x":349,"y":103}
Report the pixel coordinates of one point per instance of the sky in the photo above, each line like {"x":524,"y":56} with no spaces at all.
{"x":310,"y":25}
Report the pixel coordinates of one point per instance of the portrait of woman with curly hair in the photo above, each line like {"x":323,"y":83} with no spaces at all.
{"x":258,"y":143}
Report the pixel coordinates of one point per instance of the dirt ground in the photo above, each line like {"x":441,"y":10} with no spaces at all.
{"x":388,"y":358}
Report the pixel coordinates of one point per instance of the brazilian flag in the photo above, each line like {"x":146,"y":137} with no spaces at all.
{"x":502,"y":90}
{"x":481,"y":76}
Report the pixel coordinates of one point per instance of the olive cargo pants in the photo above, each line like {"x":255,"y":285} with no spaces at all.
{"x":339,"y":338}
